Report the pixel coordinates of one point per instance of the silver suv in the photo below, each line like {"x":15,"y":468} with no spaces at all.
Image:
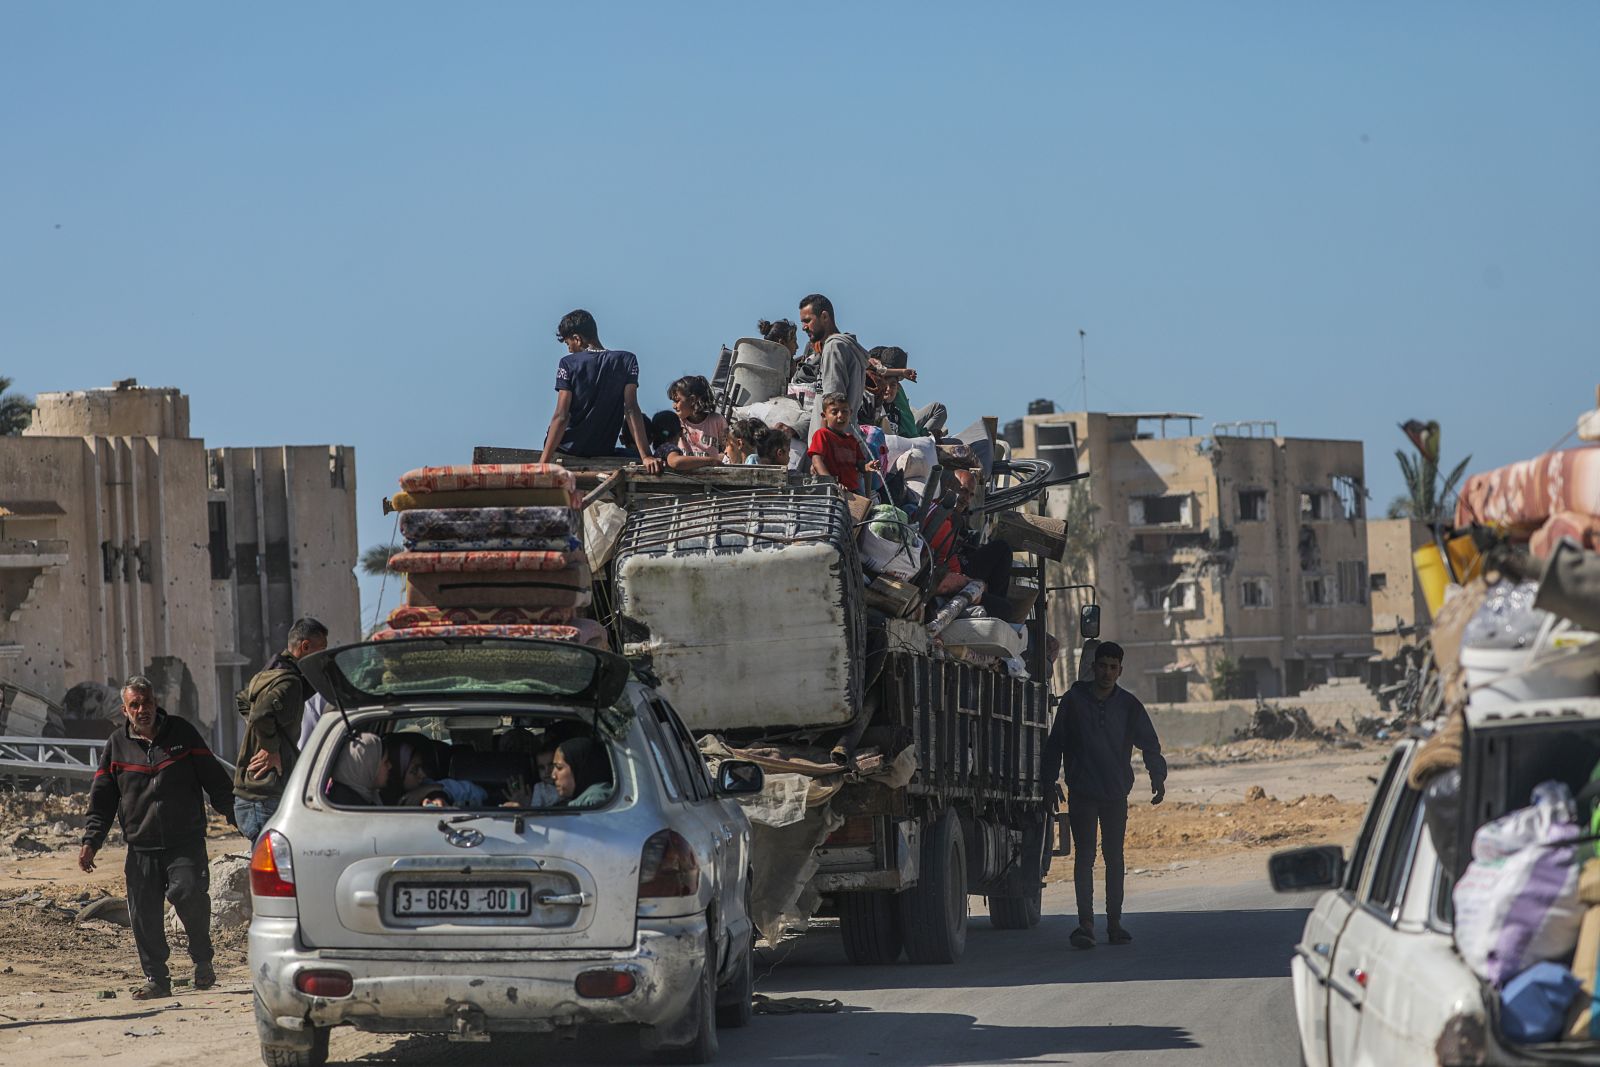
{"x":626,"y":904}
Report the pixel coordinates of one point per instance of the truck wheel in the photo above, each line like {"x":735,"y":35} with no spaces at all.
{"x":934,"y":911}
{"x":871,"y":926}
{"x":1016,"y":913}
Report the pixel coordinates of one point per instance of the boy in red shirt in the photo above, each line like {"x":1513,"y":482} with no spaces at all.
{"x":834,"y":448}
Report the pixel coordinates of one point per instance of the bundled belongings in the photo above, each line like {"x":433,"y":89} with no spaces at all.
{"x":1517,"y":904}
{"x":1541,"y":500}
{"x":491,"y":551}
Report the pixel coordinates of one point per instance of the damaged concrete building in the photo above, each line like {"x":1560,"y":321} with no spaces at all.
{"x":127,"y":547}
{"x":1232,"y":561}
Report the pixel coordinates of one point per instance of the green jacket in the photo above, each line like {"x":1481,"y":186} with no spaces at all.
{"x":271,"y":704}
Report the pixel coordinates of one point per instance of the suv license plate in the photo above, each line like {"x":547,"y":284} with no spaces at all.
{"x":447,"y":899}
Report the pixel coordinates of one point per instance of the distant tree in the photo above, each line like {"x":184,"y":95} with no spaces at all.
{"x":1427,"y":498}
{"x":375,"y":560}
{"x":1083,"y":537}
{"x":1226,"y":679}
{"x":16,"y":410}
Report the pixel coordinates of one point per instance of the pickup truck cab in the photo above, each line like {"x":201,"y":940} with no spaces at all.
{"x":1377,"y":978}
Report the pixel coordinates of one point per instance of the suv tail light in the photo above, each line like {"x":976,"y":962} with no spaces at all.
{"x":667,"y":867}
{"x":272,"y":866}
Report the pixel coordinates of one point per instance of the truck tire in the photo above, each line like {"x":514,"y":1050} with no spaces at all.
{"x":871,"y":926}
{"x":1016,"y":913}
{"x":933,"y":915}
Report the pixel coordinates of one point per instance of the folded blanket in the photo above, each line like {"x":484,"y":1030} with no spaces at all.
{"x":568,"y":588}
{"x":1523,"y":495}
{"x":487,"y":476}
{"x":405,"y":616}
{"x":426,"y":524}
{"x":481,"y":562}
{"x":484,"y":498}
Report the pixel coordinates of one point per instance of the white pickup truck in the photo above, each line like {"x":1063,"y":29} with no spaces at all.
{"x":1377,"y":978}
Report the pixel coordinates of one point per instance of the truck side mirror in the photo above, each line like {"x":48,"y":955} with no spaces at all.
{"x":1089,"y":621}
{"x":1316,"y":867}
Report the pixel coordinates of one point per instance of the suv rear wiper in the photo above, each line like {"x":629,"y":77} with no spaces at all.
{"x":518,"y":820}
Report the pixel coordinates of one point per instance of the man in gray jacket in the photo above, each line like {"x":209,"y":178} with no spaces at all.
{"x":844,"y":362}
{"x":1096,"y":729}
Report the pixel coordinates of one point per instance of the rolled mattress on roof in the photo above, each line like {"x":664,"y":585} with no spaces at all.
{"x":487,"y":476}
{"x":752,"y":606}
{"x":443,"y":524}
{"x":566,"y":588}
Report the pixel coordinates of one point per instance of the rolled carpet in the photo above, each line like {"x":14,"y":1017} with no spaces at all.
{"x":543,"y":633}
{"x":482,"y":562}
{"x":424,"y":524}
{"x":405,"y":616}
{"x":553,"y":497}
{"x":487,"y":476}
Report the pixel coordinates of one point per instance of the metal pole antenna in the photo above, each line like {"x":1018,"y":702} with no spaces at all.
{"x":1083,"y":368}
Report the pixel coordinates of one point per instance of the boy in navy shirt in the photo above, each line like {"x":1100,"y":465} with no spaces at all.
{"x":597,"y":390}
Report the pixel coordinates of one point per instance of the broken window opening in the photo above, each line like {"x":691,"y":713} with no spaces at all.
{"x":1319,"y":591}
{"x":1379,"y":581}
{"x":1175,"y":510}
{"x":1172,"y":688}
{"x":1252,"y":505}
{"x":1351,"y":495}
{"x":1315,"y":505}
{"x":1353,"y":581}
{"x":335,"y":467}
{"x":221,"y":561}
{"x":1256,"y":593}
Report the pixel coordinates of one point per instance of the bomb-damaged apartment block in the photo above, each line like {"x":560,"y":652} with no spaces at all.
{"x":128,"y":547}
{"x":1228,"y":565}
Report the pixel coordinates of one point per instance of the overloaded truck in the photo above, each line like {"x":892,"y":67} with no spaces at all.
{"x":902,"y":756}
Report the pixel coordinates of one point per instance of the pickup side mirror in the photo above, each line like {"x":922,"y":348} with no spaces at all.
{"x":739,"y":777}
{"x":1297,"y":869}
{"x":1089,"y":621}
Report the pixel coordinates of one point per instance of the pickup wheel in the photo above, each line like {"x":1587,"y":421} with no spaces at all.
{"x":934,"y":911}
{"x":1016,"y":913}
{"x":871,"y":926}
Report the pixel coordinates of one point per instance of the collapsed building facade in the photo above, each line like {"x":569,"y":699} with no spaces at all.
{"x":126,"y":546}
{"x":1228,"y":565}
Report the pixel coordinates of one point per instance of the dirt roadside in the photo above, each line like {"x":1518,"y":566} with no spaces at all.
{"x":1227,"y":808}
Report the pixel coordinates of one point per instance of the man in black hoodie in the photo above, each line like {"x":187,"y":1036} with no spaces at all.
{"x":155,"y":772}
{"x":1097,"y":727}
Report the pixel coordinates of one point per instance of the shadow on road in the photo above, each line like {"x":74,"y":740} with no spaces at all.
{"x":1168,"y":946}
{"x":889,"y":1039}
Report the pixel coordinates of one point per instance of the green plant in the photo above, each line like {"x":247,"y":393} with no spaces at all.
{"x":1427,"y":498}
{"x":375,"y":560}
{"x":1226,"y":679}
{"x":16,"y":410}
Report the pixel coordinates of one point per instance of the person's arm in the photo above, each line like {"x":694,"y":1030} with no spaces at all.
{"x":679,"y":462}
{"x":1149,"y":745}
{"x":558,"y":425}
{"x":272,"y":727}
{"x":1053,"y":756}
{"x":213,"y":776}
{"x":636,"y":427}
{"x":104,"y":795}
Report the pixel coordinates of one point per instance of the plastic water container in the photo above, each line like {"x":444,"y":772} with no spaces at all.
{"x":1433,"y":576}
{"x":760,"y":370}
{"x":1561,"y":662}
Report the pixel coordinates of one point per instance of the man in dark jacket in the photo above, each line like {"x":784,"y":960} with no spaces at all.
{"x":1097,"y":727}
{"x":154,"y":772}
{"x":272,"y":704}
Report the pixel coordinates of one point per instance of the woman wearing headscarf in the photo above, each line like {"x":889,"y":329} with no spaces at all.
{"x":582,"y":772}
{"x":360,"y":771}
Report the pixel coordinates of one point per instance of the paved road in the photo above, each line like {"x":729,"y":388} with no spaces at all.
{"x":1206,"y":982}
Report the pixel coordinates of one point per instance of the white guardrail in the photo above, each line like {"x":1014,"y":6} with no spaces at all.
{"x":55,"y":757}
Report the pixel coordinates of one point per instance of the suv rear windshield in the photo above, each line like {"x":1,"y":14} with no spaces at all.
{"x":518,"y":761}
{"x":366,"y":674}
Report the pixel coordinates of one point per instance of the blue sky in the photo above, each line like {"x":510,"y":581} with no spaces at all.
{"x":359,"y":223}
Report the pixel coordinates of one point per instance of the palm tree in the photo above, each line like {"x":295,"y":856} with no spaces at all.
{"x":375,"y":560}
{"x":16,"y":410}
{"x":1426,"y":499}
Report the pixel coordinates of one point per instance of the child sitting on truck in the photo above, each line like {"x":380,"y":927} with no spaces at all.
{"x":703,"y":429}
{"x":834,"y":449}
{"x":745,"y":438}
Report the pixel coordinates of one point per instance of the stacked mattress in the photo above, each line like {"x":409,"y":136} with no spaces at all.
{"x":491,"y":550}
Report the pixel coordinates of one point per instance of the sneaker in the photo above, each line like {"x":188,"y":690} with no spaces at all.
{"x":205,"y":976}
{"x":1082,"y":937}
{"x":1117,"y":935}
{"x":152,"y":990}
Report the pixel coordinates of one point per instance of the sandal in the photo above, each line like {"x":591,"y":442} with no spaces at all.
{"x":1118,"y":936}
{"x":1082,"y":937}
{"x":205,"y":976}
{"x":152,"y":990}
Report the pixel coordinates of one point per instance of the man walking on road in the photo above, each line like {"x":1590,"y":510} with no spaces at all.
{"x":1097,"y":727}
{"x":272,"y":704}
{"x":154,"y":772}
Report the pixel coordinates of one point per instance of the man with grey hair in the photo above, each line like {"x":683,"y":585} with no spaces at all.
{"x":154,"y":774}
{"x":272,"y":705}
